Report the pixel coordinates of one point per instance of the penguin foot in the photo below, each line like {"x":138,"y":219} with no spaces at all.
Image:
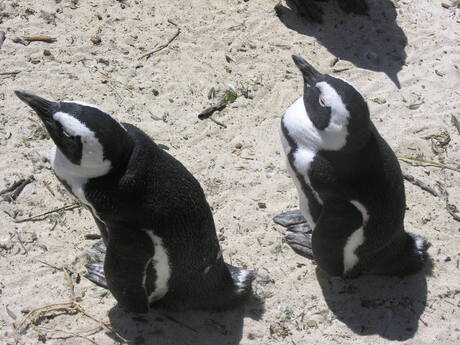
{"x":309,"y":10}
{"x":97,"y":251}
{"x":95,"y":273}
{"x":289,"y":218}
{"x":300,"y":242}
{"x":354,"y":6}
{"x":95,"y":268}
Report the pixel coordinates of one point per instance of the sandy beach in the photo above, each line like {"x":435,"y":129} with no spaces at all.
{"x":404,"y":56}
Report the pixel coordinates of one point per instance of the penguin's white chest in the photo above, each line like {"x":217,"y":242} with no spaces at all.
{"x":300,"y":153}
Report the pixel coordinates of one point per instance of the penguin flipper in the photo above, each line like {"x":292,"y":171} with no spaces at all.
{"x":128,"y":253}
{"x":300,"y":242}
{"x":337,"y":236}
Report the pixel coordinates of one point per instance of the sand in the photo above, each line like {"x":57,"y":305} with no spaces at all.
{"x":96,"y":58}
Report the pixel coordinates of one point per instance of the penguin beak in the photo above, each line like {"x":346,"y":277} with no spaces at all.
{"x":42,"y":107}
{"x":310,"y":74}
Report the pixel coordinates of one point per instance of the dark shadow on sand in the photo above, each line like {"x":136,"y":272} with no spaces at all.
{"x":162,"y":327}
{"x":373,"y":42}
{"x":387,"y":306}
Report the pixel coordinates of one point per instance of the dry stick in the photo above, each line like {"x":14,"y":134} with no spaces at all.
{"x":12,"y":187}
{"x":423,"y":185}
{"x":71,"y":334}
{"x":47,"y":185}
{"x":49,"y":265}
{"x":169,"y":317}
{"x":453,"y":214}
{"x":435,"y":164}
{"x":47,"y":39}
{"x":20,"y":241}
{"x":68,"y":307}
{"x":10,"y":73}
{"x":38,"y":216}
{"x":20,"y":188}
{"x":455,"y":123}
{"x":430,"y":190}
{"x":148,"y":55}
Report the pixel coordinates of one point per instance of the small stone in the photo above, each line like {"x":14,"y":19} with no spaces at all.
{"x":46,"y":52}
{"x":262,"y":205}
{"x":103,"y":61}
{"x":312,"y":323}
{"x":96,"y":40}
{"x":5,"y":242}
{"x":238,"y":146}
{"x":379,"y":100}
{"x":155,"y":92}
{"x":446,"y":258}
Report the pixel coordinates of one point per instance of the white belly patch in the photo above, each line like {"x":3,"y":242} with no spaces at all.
{"x":161,"y":265}
{"x":350,"y":259}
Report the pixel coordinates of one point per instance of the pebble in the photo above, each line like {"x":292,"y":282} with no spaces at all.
{"x":5,"y":242}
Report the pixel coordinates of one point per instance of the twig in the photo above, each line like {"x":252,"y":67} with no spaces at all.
{"x":71,"y":334}
{"x":428,"y":163}
{"x":46,"y":39}
{"x":179,"y":322}
{"x":2,"y":38}
{"x":217,"y":122}
{"x":34,"y":317}
{"x":148,"y":55}
{"x":39,"y":217}
{"x":20,"y":188}
{"x":207,"y":113}
{"x":49,"y":265}
{"x":12,"y":187}
{"x":453,"y":214}
{"x":20,"y":241}
{"x":70,"y":281}
{"x":424,"y":186}
{"x":47,"y":185}
{"x":10,"y":73}
{"x":455,"y":123}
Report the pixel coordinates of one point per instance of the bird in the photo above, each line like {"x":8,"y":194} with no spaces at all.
{"x":160,"y":247}
{"x":349,"y":182}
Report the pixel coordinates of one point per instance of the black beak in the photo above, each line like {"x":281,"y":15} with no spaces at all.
{"x":310,"y":74}
{"x":42,"y":107}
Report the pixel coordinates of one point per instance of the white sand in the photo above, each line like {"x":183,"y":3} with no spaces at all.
{"x":301,"y":306}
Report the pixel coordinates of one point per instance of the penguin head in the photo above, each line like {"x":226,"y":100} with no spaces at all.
{"x":337,"y":109}
{"x":90,"y":142}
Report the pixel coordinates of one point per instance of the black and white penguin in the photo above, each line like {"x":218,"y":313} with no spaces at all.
{"x":311,"y":11}
{"x":349,"y":183}
{"x":161,"y":244}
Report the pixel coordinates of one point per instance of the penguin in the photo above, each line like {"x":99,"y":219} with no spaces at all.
{"x":349,"y":182}
{"x":311,"y":11}
{"x":160,"y":243}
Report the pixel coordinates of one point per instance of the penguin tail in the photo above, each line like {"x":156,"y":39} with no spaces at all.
{"x":242,"y":280}
{"x":414,"y":255}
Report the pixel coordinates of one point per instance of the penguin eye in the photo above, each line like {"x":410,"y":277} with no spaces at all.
{"x":321,"y":101}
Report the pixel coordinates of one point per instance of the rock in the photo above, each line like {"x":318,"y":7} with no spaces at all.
{"x":5,"y":242}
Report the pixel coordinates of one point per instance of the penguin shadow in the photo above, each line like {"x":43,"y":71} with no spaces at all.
{"x":390,"y":307}
{"x":374,"y":42}
{"x":164,"y":327}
